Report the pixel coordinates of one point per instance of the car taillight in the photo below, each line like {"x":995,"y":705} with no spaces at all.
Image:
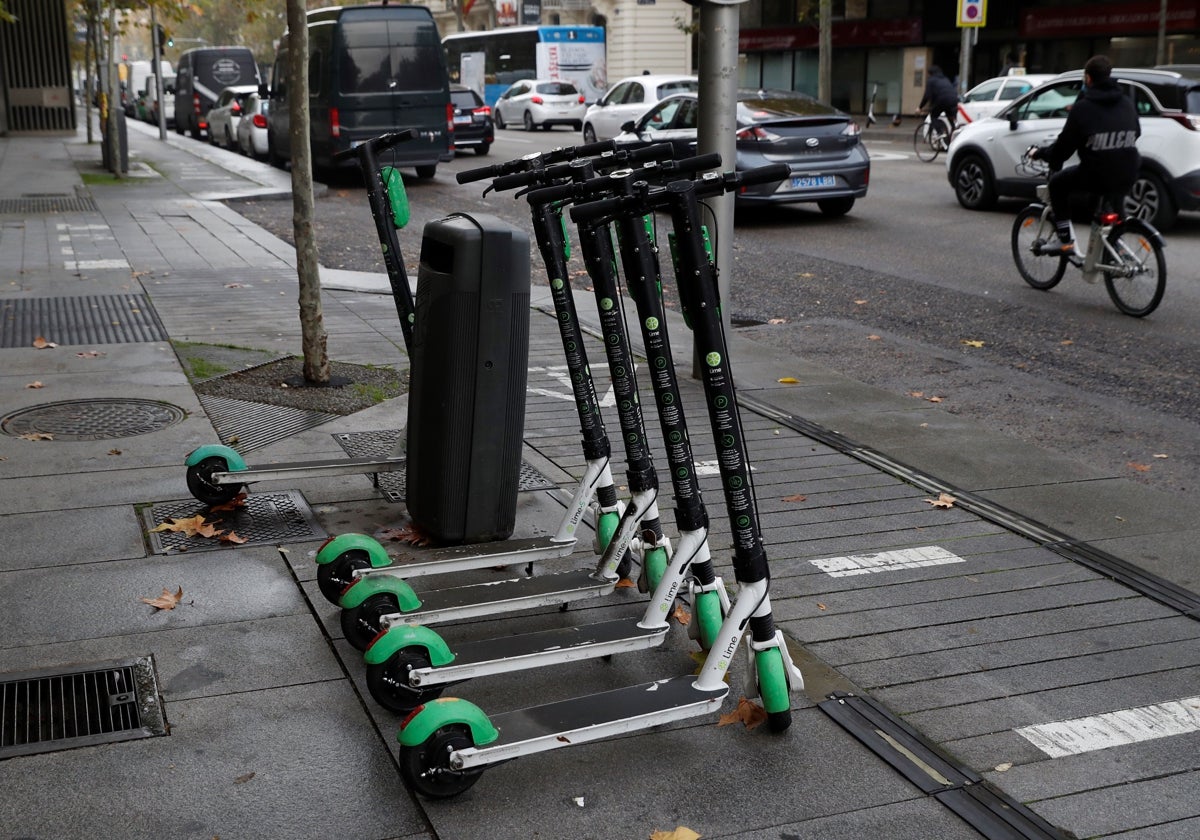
{"x":450,"y":119}
{"x":335,"y":123}
{"x":485,"y":110}
{"x":536,"y":100}
{"x":1189,"y":121}
{"x":757,"y":132}
{"x":235,"y":108}
{"x":196,"y":102}
{"x":581,"y":99}
{"x":851,"y":130}
{"x":1110,"y":218}
{"x":259,"y":121}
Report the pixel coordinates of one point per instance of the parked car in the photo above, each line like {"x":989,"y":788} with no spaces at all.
{"x":821,"y":145}
{"x":168,"y":100}
{"x":628,"y":99}
{"x":473,"y":127}
{"x":982,"y":161}
{"x":200,"y":75}
{"x":541,"y":103}
{"x":252,"y":127}
{"x":226,"y":113}
{"x":988,"y":98}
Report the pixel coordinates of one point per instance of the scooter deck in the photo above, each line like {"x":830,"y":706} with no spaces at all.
{"x":594,"y":717}
{"x":544,"y":647}
{"x":502,"y":596}
{"x":460,"y":558}
{"x":304,"y":469}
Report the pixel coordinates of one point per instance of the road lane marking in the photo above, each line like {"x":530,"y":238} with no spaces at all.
{"x":1115,"y":729}
{"x":886,"y":561}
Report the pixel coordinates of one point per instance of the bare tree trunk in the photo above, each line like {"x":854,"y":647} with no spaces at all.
{"x":114,"y":100}
{"x":308,"y":270}
{"x":88,"y":80}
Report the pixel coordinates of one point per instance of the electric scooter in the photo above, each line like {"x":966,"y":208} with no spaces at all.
{"x":371,"y":604}
{"x":446,"y":745}
{"x":408,"y":664}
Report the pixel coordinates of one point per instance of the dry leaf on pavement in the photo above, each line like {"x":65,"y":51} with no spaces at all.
{"x":678,"y":833}
{"x":681,"y":615}
{"x":1134,"y":465}
{"x":34,"y":384}
{"x":625,"y":583}
{"x":944,"y":501}
{"x":410,"y":534}
{"x":36,"y":436}
{"x":42,"y":344}
{"x":971,"y":342}
{"x":236,"y":503}
{"x":193,"y":526}
{"x":798,"y":497}
{"x":167,"y":600}
{"x":749,"y":713}
{"x":788,"y":380}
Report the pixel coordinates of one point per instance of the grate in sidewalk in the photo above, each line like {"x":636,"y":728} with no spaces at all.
{"x":263,"y":519}
{"x":79,"y":706}
{"x":80,"y":319}
{"x":37,"y":203}
{"x":249,"y":425}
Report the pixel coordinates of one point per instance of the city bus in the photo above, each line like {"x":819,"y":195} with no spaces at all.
{"x":511,"y":53}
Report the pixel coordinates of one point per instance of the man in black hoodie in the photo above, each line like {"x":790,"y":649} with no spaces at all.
{"x":1103,"y":127}
{"x":942,"y":98}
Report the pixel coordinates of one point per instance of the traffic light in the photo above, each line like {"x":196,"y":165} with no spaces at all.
{"x":972,"y":13}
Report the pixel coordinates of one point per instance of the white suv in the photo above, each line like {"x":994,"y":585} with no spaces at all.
{"x":628,"y":99}
{"x":982,"y":162}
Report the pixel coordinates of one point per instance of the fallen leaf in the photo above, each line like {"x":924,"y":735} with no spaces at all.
{"x":935,"y":399}
{"x":860,"y":302}
{"x":625,"y":583}
{"x":748,"y":713}
{"x":971,"y":342}
{"x":36,"y":436}
{"x":788,"y":380}
{"x":1161,"y":455}
{"x":944,"y":500}
{"x":806,"y":274}
{"x":231,"y":537}
{"x":35,"y":384}
{"x":245,"y":777}
{"x":1134,"y":465}
{"x":678,"y":833}
{"x":564,"y":739}
{"x":167,"y":600}
{"x":410,"y":534}
{"x":917,"y":394}
{"x":1066,"y":342}
{"x":681,"y":615}
{"x":236,"y":503}
{"x":193,"y":526}
{"x":1000,"y":768}
{"x":924,"y":426}
{"x":821,"y":606}
{"x":874,"y":338}
{"x":114,"y":452}
{"x":798,"y":497}
{"x":777,"y":321}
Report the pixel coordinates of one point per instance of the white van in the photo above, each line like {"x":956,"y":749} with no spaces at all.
{"x":137,"y":76}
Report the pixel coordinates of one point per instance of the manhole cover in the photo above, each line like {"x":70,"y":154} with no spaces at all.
{"x":96,"y":419}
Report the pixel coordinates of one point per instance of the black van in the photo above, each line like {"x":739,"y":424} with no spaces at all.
{"x":200,"y":76}
{"x":371,"y":70}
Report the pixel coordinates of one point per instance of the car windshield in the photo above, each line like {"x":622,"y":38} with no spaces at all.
{"x":462,"y":99}
{"x":1052,"y":102}
{"x":682,"y":86}
{"x":768,"y":106}
{"x":557,"y":89}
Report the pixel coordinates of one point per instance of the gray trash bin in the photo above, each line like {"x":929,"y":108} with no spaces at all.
{"x":470,"y":360}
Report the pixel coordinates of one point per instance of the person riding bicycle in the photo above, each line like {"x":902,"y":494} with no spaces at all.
{"x":941,"y":98}
{"x":1102,"y":126}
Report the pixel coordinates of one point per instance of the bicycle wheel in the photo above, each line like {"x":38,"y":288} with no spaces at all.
{"x":1030,"y":231}
{"x":1138,"y":279}
{"x":923,"y":142}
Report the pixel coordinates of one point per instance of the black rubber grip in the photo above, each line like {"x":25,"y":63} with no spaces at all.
{"x":764,"y":174}
{"x":583,"y":213}
{"x":378,"y":144}
{"x":545,"y":195}
{"x":701,"y":163}
{"x":541,"y":175}
{"x":586,"y":150}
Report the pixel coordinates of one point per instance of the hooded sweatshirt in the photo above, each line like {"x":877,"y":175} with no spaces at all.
{"x":1103,"y":127}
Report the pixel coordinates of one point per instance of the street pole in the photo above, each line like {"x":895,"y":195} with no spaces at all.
{"x":156,"y":59}
{"x":718,"y":75}
{"x":1161,"y":52}
{"x":964,"y":61}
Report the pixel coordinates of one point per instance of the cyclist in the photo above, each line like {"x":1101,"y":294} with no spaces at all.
{"x":942,"y":98}
{"x":1102,"y":126}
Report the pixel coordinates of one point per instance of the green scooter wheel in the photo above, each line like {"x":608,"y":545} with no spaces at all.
{"x":204,"y":489}
{"x":335,"y":576}
{"x":708,"y":618}
{"x":426,"y":768}
{"x":388,"y":681}
{"x":361,"y":624}
{"x":773,"y":688}
{"x":656,"y":566}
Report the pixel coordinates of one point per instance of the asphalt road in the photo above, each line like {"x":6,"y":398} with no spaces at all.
{"x":890,"y":295}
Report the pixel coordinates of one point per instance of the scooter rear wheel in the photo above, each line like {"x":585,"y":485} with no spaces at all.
{"x":388,"y":681}
{"x":336,"y":575}
{"x":361,"y":624}
{"x":426,"y":768}
{"x":202,"y":487}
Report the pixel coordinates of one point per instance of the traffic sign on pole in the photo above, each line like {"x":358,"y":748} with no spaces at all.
{"x":972,"y":12}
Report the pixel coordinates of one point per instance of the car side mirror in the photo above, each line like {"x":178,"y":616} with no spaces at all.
{"x":629,"y":126}
{"x":1012,"y":121}
{"x":264,"y":92}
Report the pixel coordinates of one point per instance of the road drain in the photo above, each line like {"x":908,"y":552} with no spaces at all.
{"x":78,"y":706}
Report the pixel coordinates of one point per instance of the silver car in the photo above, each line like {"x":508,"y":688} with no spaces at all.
{"x":540,"y":103}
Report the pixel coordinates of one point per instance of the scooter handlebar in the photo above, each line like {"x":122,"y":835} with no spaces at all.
{"x":378,"y":144}
{"x":522,"y":164}
{"x":613,"y":181}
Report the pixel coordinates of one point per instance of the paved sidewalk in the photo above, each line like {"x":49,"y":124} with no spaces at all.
{"x":961,"y":639}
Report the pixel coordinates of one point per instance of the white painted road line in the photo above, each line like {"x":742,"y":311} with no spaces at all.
{"x":886,"y":561}
{"x":1115,"y":729}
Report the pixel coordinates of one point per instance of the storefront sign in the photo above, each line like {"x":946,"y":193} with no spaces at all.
{"x":844,"y":33}
{"x":1109,"y":19}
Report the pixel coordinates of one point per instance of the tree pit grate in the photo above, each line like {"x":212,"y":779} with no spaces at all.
{"x":36,"y":203}
{"x":382,"y":443}
{"x":247,"y":425}
{"x":94,"y":419}
{"x":260,"y":519}
{"x":77,"y":706}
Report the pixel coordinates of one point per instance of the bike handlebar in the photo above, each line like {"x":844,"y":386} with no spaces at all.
{"x":563,"y":153}
{"x":377,"y":144}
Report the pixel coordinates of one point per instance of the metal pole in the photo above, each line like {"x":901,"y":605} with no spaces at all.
{"x":156,"y":62}
{"x":718,"y":75}
{"x":1161,"y":52}
{"x":964,"y":61}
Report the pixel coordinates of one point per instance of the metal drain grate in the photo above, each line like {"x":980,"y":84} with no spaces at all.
{"x":381,"y":444}
{"x":247,"y":425}
{"x":97,"y":419}
{"x":266,"y":518}
{"x":86,"y":319}
{"x":79,"y":706}
{"x":34,"y":203}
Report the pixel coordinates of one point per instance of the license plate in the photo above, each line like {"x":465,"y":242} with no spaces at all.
{"x":813,"y":182}
{"x":462,"y":120}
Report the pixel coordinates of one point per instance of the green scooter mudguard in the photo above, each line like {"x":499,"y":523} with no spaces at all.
{"x":342,"y":543}
{"x":446,"y":711}
{"x":234,"y":462}
{"x":403,"y":636}
{"x":363,"y":588}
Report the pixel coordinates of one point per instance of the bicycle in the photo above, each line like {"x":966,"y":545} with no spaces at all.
{"x":928,"y":142}
{"x":1128,"y":252}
